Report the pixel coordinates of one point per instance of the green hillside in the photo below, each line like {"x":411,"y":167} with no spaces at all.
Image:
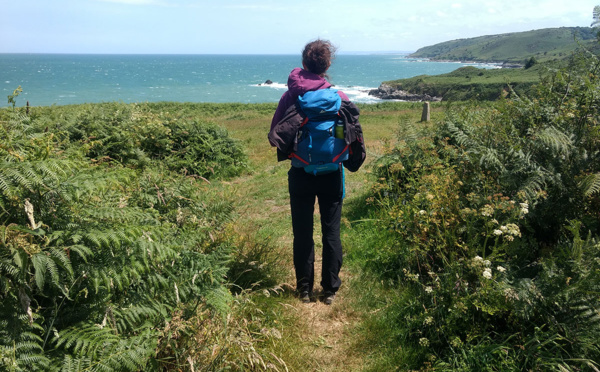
{"x":545,"y":45}
{"x":470,"y":83}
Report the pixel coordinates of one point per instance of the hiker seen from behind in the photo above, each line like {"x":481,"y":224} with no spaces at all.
{"x":316,"y":127}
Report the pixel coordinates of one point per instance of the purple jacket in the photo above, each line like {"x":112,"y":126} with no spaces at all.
{"x":299,"y":82}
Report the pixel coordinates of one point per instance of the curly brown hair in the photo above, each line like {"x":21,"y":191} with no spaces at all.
{"x":317,"y":56}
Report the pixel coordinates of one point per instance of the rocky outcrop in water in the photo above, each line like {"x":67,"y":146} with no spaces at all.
{"x":387,"y":92}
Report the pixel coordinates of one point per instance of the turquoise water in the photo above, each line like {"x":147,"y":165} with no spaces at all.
{"x":62,"y":79}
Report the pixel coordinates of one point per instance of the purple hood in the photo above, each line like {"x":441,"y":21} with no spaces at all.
{"x":299,"y":82}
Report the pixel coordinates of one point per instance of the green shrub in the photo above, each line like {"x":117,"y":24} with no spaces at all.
{"x":96,"y":257}
{"x":136,"y":135}
{"x":204,"y":150}
{"x":484,"y":215}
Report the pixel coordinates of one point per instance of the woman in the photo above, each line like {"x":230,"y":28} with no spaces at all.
{"x":304,"y":187}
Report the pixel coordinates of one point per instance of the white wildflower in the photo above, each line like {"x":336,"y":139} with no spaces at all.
{"x":179,"y":218}
{"x":524,"y":209}
{"x":494,"y":221}
{"x":487,"y":210}
{"x":487,"y":273}
{"x":513,"y":229}
{"x":487,"y":263}
{"x":410,"y":276}
{"x":423,"y":341}
{"x":511,"y":294}
{"x":477,"y":258}
{"x":428,"y":320}
{"x":428,"y":289}
{"x":422,"y":212}
{"x":497,"y":232}
{"x":501,"y":269}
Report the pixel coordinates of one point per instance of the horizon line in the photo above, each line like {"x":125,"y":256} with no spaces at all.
{"x":211,"y":54}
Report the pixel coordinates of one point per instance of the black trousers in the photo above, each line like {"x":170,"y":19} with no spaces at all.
{"x":329,"y":190}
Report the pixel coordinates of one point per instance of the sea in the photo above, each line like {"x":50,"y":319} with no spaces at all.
{"x":64,"y":79}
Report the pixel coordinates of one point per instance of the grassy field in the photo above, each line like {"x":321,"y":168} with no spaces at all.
{"x":471,"y":83}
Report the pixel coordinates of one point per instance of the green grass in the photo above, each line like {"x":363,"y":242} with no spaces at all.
{"x":469,"y":82}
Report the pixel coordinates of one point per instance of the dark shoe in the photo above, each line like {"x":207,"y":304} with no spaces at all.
{"x":305,"y":297}
{"x":328,"y":298}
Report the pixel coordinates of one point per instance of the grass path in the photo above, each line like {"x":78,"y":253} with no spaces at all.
{"x":315,"y":337}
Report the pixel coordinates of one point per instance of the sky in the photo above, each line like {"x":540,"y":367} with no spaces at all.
{"x":268,"y":26}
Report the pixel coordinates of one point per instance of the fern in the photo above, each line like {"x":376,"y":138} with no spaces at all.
{"x":32,"y":174}
{"x":461,"y":137}
{"x":408,"y":131}
{"x":491,"y":159}
{"x":100,"y":349}
{"x":114,"y":250}
{"x":590,"y":184}
{"x":86,"y":339}
{"x":557,"y":141}
{"x":25,"y":353}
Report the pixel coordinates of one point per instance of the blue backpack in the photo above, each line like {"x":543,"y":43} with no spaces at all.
{"x":321,"y":145}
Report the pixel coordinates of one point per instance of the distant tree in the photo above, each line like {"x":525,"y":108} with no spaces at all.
{"x":530,"y":62}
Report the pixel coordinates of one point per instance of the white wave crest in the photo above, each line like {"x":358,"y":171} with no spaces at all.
{"x":355,"y":93}
{"x":358,"y":94}
{"x":272,"y":85}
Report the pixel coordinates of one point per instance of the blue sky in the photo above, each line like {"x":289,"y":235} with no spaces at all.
{"x":267,"y":26}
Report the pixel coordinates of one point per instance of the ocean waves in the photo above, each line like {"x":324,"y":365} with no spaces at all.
{"x":355,"y":93}
{"x":48,"y":79}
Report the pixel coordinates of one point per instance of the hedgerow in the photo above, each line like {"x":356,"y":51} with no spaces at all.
{"x":110,"y":235}
{"x":491,"y":248}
